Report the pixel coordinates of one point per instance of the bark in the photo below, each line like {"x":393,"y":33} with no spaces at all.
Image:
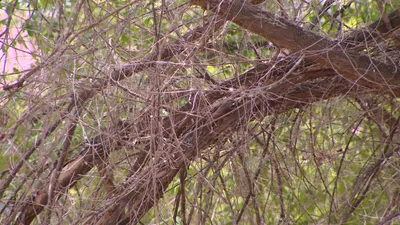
{"x":74,"y":170}
{"x":355,"y":67}
{"x":288,"y":87}
{"x":146,"y":187}
{"x":80,"y":98}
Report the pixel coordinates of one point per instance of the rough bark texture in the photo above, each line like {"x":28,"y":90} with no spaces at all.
{"x":319,"y":69}
{"x":348,"y":63}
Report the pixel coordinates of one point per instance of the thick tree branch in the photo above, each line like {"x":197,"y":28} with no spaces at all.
{"x":358,"y":68}
{"x":81,"y":97}
{"x":299,"y":87}
{"x":142,"y":193}
{"x":375,"y":32}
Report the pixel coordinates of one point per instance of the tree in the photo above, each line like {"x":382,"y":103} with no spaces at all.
{"x":212,"y":112}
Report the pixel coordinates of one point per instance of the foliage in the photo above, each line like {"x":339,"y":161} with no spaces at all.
{"x":166,"y":112}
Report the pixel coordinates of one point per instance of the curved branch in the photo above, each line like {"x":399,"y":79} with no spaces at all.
{"x":141,"y":192}
{"x":358,"y":68}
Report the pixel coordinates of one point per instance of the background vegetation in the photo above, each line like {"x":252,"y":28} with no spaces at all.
{"x":202,"y":112}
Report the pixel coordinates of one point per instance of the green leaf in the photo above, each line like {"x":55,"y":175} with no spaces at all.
{"x":124,"y":39}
